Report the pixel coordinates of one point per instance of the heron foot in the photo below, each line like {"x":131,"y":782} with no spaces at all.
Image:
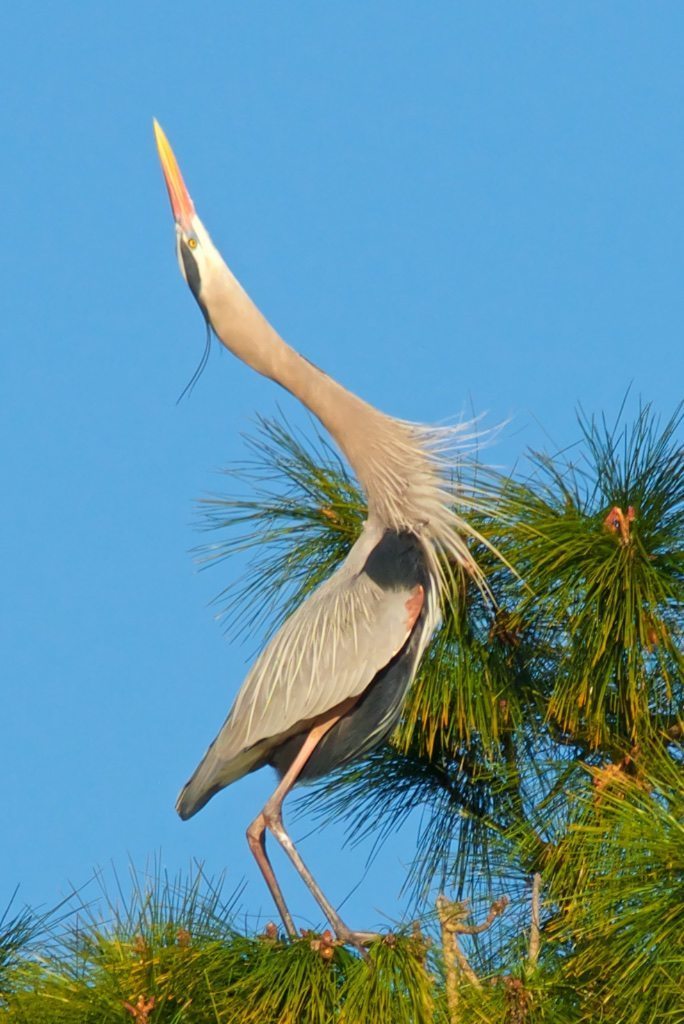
{"x":359,"y":940}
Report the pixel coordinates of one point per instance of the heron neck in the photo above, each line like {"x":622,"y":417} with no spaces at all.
{"x":243,"y":330}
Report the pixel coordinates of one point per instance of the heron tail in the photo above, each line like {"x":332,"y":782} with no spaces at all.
{"x":212,"y":774}
{"x":194,"y":795}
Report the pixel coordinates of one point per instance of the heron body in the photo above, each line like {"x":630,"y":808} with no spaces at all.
{"x":330,"y":684}
{"x":354,"y":637}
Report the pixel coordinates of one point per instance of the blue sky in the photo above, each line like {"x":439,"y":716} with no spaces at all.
{"x":448,"y":206}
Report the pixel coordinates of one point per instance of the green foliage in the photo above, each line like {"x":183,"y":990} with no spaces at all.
{"x":17,"y":933}
{"x":302,"y":516}
{"x":616,"y":879}
{"x":170,"y":954}
{"x":165,"y":947}
{"x":599,"y":543}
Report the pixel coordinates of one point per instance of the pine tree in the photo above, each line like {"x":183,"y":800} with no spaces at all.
{"x":542,"y":742}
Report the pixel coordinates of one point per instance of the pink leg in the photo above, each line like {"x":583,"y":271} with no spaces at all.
{"x":271,"y":818}
{"x":256,"y":837}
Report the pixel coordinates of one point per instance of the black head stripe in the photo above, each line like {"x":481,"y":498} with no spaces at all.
{"x":191,"y":272}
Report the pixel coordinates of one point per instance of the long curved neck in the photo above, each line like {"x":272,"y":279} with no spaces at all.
{"x":397,"y":463}
{"x":370,"y":440}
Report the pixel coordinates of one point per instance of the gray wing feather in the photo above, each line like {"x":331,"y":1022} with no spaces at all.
{"x":328,"y":651}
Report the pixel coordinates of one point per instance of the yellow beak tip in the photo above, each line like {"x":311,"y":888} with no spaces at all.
{"x":160,"y":136}
{"x":181,"y":203}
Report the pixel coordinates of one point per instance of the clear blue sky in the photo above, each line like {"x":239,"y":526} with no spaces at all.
{"x":447,"y":205}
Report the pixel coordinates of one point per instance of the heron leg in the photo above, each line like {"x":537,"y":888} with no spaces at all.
{"x":274,"y":823}
{"x":256,"y":837}
{"x":271,"y":815}
{"x":271,"y":818}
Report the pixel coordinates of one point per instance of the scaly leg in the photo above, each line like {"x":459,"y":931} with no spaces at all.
{"x":256,"y":837}
{"x":271,"y":818}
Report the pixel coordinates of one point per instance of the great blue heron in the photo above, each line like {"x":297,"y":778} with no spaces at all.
{"x":329,"y":686}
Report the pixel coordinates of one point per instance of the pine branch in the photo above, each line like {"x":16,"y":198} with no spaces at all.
{"x":535,"y":932}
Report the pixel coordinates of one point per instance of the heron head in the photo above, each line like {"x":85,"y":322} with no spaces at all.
{"x":194,"y":248}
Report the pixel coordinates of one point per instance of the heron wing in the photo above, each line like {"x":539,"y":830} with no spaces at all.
{"x":328,"y":651}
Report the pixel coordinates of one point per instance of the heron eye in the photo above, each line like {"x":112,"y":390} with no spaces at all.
{"x":192,"y":243}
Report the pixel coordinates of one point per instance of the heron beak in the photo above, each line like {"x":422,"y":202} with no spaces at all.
{"x":181,"y":203}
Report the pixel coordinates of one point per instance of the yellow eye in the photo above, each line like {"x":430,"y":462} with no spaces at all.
{"x":192,"y":243}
